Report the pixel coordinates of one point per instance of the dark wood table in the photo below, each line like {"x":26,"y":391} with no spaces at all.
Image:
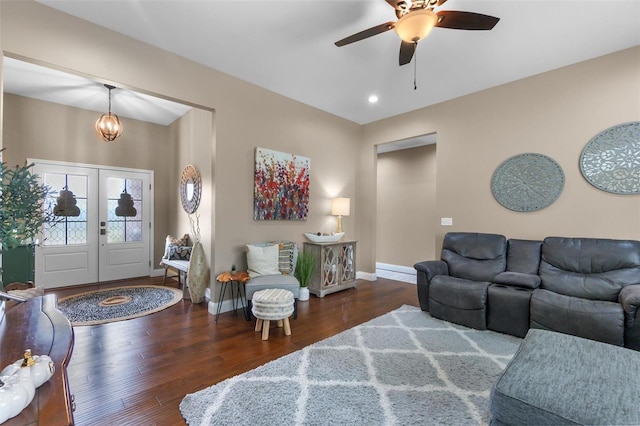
{"x":238,"y":278}
{"x":38,"y":325}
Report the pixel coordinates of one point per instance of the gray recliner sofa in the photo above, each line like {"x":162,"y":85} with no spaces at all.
{"x":586,"y":287}
{"x":456,"y":286}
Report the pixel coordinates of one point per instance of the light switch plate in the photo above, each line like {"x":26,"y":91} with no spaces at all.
{"x":446,"y":221}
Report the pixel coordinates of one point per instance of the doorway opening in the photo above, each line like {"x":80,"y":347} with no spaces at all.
{"x":406,"y":206}
{"x":38,"y":95}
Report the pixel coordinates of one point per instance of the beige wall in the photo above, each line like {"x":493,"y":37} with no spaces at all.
{"x":193,"y":134}
{"x":406,"y":205}
{"x":142,"y":146}
{"x":555,"y":114}
{"x":331,"y":145}
{"x":245,"y":117}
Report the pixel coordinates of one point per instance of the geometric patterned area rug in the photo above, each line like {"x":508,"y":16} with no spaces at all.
{"x":402,"y":368}
{"x":117,"y":304}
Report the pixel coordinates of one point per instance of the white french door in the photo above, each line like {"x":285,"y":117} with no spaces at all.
{"x":124,"y":225}
{"x":68,"y":251}
{"x":104,"y":228}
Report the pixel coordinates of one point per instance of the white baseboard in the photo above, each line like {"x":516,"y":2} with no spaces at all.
{"x":396,"y":268}
{"x":360,"y":275}
{"x":157,"y":273}
{"x":227,"y":305}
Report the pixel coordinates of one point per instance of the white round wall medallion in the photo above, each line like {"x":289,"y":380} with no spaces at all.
{"x":611,"y":160}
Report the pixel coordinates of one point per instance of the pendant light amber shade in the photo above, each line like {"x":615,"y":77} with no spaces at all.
{"x":108,"y":125}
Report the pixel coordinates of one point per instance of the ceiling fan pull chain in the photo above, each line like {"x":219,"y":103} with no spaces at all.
{"x":415,"y":66}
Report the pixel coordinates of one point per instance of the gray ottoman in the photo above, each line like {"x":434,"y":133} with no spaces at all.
{"x":557,"y":379}
{"x":273,"y":304}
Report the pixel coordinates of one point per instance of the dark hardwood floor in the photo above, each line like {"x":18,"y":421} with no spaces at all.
{"x":136,"y":372}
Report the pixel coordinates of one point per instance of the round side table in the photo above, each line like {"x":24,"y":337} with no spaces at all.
{"x":227,"y":278}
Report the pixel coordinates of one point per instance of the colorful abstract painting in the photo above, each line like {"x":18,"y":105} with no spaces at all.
{"x":281,"y":186}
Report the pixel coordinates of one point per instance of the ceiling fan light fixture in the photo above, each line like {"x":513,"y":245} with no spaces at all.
{"x":108,"y":125}
{"x":416,"y":25}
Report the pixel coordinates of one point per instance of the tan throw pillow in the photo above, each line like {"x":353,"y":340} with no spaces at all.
{"x":173,"y":241}
{"x":262,"y":260}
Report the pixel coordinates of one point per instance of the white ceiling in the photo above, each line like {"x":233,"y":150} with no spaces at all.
{"x":34,"y":81}
{"x":288,"y":46}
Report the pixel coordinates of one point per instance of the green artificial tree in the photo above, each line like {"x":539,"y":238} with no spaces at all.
{"x":21,"y":207}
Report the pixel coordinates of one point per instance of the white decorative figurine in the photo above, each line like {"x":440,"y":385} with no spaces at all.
{"x":18,"y":383}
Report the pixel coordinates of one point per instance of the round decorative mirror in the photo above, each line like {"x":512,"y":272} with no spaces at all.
{"x":190,"y":189}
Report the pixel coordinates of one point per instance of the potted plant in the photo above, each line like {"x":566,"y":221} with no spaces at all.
{"x":304,"y":269}
{"x":21,"y":215}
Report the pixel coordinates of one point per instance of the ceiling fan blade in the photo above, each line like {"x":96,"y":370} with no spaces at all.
{"x":378,"y":29}
{"x":465,"y":20}
{"x":407,"y":50}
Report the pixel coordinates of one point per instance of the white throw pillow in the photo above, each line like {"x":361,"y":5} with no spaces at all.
{"x":262,"y":260}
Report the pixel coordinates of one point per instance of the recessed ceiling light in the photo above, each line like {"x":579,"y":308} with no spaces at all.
{"x":373,"y":99}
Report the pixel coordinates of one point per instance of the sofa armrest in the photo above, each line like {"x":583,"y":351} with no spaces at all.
{"x":629,"y":298}
{"x":432,"y":268}
{"x":425,"y":271}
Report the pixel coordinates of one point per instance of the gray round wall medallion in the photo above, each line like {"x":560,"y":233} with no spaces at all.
{"x":527,"y":182}
{"x":611,"y":160}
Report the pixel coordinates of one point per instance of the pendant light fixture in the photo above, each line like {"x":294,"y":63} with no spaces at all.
{"x":108,"y":125}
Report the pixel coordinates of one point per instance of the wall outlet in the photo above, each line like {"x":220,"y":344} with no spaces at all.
{"x":446,"y":221}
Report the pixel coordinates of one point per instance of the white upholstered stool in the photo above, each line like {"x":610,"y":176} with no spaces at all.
{"x":273,"y":304}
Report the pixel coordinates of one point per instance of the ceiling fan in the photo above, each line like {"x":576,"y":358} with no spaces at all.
{"x":415,"y":21}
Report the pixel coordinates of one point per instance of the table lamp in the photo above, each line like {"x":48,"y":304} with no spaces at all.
{"x":340,"y":207}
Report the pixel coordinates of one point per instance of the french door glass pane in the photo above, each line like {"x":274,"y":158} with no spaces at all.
{"x":122,"y":229}
{"x":68,"y":230}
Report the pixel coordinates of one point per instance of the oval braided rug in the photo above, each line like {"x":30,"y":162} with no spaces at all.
{"x":117,"y":304}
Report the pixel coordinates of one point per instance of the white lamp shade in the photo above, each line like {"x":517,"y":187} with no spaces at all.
{"x":341,"y":207}
{"x":416,"y":25}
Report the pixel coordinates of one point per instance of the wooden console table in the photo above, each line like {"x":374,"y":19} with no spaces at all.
{"x":38,"y":325}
